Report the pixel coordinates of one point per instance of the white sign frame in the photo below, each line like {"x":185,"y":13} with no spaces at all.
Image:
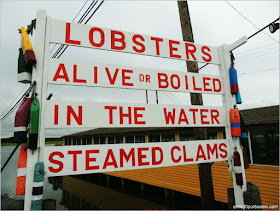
{"x":45,"y":35}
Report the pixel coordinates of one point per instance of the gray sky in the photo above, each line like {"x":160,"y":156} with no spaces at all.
{"x":214,"y":23}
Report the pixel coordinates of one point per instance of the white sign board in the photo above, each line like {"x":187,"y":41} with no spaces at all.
{"x":63,"y":114}
{"x":115,"y":76}
{"x":70,"y":160}
{"x":107,"y":39}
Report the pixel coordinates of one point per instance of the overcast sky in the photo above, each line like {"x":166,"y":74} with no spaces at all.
{"x":214,"y":23}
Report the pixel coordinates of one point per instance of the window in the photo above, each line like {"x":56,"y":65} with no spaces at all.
{"x":129,"y":139}
{"x":140,"y":139}
{"x":96,"y":140}
{"x":265,"y":146}
{"x":154,"y":138}
{"x":168,"y":137}
{"x":74,"y":141}
{"x":84,"y":141}
{"x":186,"y":137}
{"x":212,"y":135}
{"x":89,"y":141}
{"x":111,"y":140}
{"x":119,"y":140}
{"x":79,"y":141}
{"x":69,"y":141}
{"x":102,"y":140}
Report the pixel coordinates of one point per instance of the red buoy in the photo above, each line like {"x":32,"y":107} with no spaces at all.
{"x":235,"y":122}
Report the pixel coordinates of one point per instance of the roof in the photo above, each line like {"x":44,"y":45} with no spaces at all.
{"x":255,"y":116}
{"x":261,"y":116}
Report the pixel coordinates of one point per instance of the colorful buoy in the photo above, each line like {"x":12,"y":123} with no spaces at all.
{"x":38,"y":184}
{"x":21,"y":171}
{"x":34,"y":124}
{"x":233,"y":80}
{"x":22,"y":121}
{"x":235,"y":122}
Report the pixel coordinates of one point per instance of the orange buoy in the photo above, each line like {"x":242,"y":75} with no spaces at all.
{"x":21,"y":171}
{"x":235,"y":122}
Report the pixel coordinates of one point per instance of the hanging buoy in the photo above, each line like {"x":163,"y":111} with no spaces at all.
{"x":21,"y":170}
{"x":235,"y":122}
{"x":245,"y":158}
{"x":34,"y":124}
{"x":233,"y":80}
{"x":237,"y":168}
{"x":238,"y":98}
{"x":28,"y":52}
{"x":38,"y":184}
{"x":24,"y":71}
{"x":243,"y":127}
{"x":22,"y":121}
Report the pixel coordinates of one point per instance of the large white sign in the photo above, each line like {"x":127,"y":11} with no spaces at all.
{"x":63,"y":114}
{"x":116,"y":76}
{"x":115,"y":40}
{"x":70,"y":160}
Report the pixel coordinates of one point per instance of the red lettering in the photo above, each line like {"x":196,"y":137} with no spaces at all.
{"x":95,"y":75}
{"x":203,"y":117}
{"x":200,"y":150}
{"x":190,"y":51}
{"x":122,"y":115}
{"x":111,"y":163}
{"x":205,"y":53}
{"x":171,"y":48}
{"x":206,"y":83}
{"x":56,"y":115}
{"x":194,"y":117}
{"x":142,"y":49}
{"x":172,"y":81}
{"x":183,"y":117}
{"x":185,"y":155}
{"x":67,"y":37}
{"x":154,"y":161}
{"x":102,"y":37}
{"x":112,"y":80}
{"x":214,"y":84}
{"x":157,"y":43}
{"x":194,"y":86}
{"x":75,"y":76}
{"x":161,"y":80}
{"x":187,"y":84}
{"x":57,"y":74}
{"x":136,"y":115}
{"x":169,"y":116}
{"x":223,"y":150}
{"x":120,"y":40}
{"x":125,"y":77}
{"x":79,"y":118}
{"x":125,"y":156}
{"x":111,"y":108}
{"x":212,"y":150}
{"x":57,"y":162}
{"x":214,"y":115}
{"x":75,"y":153}
{"x":88,"y":159}
{"x":141,"y":156}
{"x":172,"y":154}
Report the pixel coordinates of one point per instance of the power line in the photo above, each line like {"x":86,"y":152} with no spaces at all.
{"x":250,"y":22}
{"x":259,"y":71}
{"x":73,"y":20}
{"x":14,"y":100}
{"x":85,"y":23}
{"x":256,"y":56}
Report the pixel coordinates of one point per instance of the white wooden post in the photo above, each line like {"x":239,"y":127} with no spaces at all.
{"x":41,"y":50}
{"x":229,"y":101}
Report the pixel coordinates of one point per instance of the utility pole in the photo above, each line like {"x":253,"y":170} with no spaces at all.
{"x":205,"y":174}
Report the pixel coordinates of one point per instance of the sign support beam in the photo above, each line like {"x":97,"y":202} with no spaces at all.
{"x":228,"y":102}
